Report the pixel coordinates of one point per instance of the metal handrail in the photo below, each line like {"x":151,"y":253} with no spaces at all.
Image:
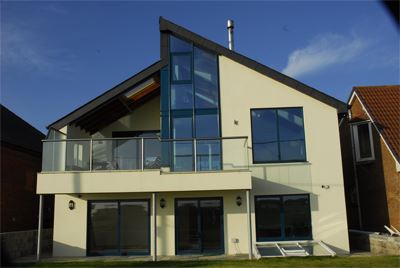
{"x":195,"y":142}
{"x":149,"y":138}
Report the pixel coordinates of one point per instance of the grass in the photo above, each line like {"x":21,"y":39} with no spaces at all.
{"x":358,"y":261}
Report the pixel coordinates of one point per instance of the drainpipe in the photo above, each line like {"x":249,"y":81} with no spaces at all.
{"x":250,"y":237}
{"x":40,"y":225}
{"x":353,"y":152}
{"x":154,"y":244}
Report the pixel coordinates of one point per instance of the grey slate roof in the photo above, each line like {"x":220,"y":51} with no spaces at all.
{"x":107,"y":96}
{"x":16,"y":131}
{"x":169,"y":27}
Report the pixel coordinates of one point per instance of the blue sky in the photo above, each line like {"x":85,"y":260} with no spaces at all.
{"x":56,"y":56}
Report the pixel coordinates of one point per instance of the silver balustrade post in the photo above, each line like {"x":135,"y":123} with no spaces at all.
{"x":39,"y":232}
{"x":154,"y":210}
{"x":195,"y":154}
{"x":250,"y":236}
{"x":91,"y":155}
{"x":142,"y":154}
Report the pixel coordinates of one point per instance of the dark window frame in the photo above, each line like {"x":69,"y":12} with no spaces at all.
{"x":356,"y":141}
{"x":282,"y":216}
{"x":200,"y":251}
{"x":278,"y":140}
{"x":118,"y":201}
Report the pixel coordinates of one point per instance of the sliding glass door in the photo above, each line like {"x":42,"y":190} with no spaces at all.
{"x":119,"y":228}
{"x":199,"y":226}
{"x":286,"y":217}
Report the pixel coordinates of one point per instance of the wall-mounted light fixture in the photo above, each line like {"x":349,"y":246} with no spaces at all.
{"x":325,"y":186}
{"x":71,"y":205}
{"x":236,"y":122}
{"x":162,"y":203}
{"x":239,"y":201}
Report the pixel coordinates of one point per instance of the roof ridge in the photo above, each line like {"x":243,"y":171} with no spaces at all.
{"x":166,"y":25}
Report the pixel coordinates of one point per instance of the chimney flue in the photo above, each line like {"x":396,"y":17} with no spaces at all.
{"x":230,"y":26}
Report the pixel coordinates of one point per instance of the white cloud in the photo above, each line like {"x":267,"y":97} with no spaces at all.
{"x":323,"y":51}
{"x":26,"y":50}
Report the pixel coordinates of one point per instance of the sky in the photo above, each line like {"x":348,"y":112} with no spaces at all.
{"x":56,"y":56}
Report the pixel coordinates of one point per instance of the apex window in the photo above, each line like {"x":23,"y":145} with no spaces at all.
{"x":278,"y":135}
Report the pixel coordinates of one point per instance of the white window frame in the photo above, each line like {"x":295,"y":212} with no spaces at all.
{"x":357,"y":144}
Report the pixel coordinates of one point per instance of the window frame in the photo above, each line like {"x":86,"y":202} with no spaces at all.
{"x":277,"y":125}
{"x":282,"y":216}
{"x":118,"y":252}
{"x":356,"y":141}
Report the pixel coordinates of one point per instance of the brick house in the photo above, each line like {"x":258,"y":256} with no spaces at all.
{"x":370,"y":138}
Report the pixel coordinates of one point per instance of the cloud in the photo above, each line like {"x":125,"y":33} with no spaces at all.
{"x":323,"y":51}
{"x":26,"y":50}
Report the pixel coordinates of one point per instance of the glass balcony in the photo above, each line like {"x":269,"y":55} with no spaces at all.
{"x":178,"y":155}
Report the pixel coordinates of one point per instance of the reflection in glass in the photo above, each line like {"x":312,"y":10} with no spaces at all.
{"x":364,"y":140}
{"x":103,"y":228}
{"x":178,"y":45}
{"x":207,"y":125}
{"x":182,"y":126}
{"x":283,"y":218}
{"x":187,"y":227}
{"x":181,"y":96}
{"x":264,"y":124}
{"x":290,"y":124}
{"x":181,"y":67}
{"x":119,"y":227}
{"x":268,"y":218}
{"x":292,"y":150}
{"x":297,"y":216}
{"x":77,"y":155}
{"x":199,"y":225}
{"x":208,"y":155}
{"x":211,"y":222}
{"x":126,"y":154}
{"x":183,"y":156}
{"x":134,"y":221}
{"x":278,"y":135}
{"x":205,"y":79}
{"x":152,"y":153}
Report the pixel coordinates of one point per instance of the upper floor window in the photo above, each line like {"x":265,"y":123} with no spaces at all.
{"x":278,"y":135}
{"x":363,"y":142}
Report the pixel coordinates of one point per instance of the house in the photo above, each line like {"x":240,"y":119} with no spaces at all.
{"x":21,"y":157}
{"x":204,"y":152}
{"x":370,"y":138}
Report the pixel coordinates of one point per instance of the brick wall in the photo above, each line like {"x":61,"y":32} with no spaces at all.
{"x":19,"y":202}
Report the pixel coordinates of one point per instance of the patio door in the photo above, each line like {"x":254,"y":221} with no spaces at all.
{"x":199,"y":226}
{"x":118,"y":228}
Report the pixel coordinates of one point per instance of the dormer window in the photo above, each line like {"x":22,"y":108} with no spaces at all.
{"x":363,"y":142}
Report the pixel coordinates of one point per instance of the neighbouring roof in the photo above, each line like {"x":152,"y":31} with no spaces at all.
{"x":383,"y":106}
{"x":169,"y":27}
{"x":16,"y":131}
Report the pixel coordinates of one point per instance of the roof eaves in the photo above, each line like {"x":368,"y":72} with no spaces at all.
{"x":168,"y":26}
{"x":106,"y":96}
{"x":375,"y":123}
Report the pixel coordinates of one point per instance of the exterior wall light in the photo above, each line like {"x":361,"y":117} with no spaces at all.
{"x":326,"y":187}
{"x":238,"y":201}
{"x":71,"y":205}
{"x":162,"y":203}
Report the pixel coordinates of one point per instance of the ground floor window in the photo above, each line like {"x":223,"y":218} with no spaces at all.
{"x":199,"y":226}
{"x":119,"y":227}
{"x":284,"y":217}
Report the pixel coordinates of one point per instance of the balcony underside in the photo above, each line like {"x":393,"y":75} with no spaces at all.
{"x":140,"y":181}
